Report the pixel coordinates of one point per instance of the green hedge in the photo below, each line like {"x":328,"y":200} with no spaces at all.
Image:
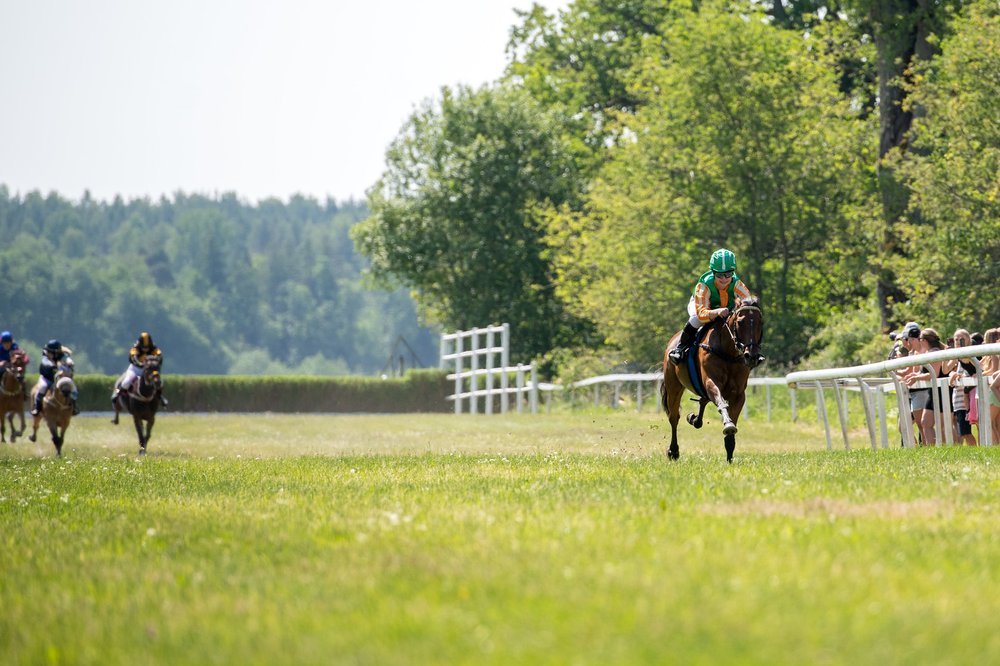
{"x":417,"y":391}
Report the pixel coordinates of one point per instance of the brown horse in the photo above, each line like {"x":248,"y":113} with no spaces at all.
{"x":142,"y":400}
{"x":723,"y":361}
{"x":57,"y":410}
{"x":13,"y":395}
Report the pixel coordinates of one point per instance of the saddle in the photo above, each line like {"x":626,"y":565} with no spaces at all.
{"x":691,"y":361}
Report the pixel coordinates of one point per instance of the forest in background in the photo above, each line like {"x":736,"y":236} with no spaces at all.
{"x":224,"y":287}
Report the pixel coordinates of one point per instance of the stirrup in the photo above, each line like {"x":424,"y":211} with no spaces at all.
{"x":676,"y":355}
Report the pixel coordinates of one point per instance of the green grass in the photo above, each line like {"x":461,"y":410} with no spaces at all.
{"x":439,"y":539}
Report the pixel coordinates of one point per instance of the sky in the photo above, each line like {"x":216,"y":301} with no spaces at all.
{"x":265,"y":98}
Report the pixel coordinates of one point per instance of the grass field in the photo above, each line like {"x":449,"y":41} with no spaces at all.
{"x":442,"y":539}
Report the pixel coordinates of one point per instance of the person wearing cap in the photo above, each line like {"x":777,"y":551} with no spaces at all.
{"x":7,"y":349}
{"x":715,"y":293}
{"x":909,"y":338}
{"x":55,"y":358}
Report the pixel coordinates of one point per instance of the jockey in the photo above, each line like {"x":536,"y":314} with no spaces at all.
{"x":142,"y":350}
{"x":55,"y":358}
{"x":716,"y":291}
{"x":7,"y":348}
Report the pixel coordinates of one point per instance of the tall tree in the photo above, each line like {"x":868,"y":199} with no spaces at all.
{"x":742,"y":140}
{"x":954,"y":177}
{"x":455,"y":215}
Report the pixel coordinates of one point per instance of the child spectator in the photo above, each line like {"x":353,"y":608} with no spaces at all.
{"x":958,"y":370}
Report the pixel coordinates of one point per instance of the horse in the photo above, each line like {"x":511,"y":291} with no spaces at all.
{"x":12,"y":395}
{"x":142,"y":400}
{"x":57,"y":410}
{"x":730,"y":350}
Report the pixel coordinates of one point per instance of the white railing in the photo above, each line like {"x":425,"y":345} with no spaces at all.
{"x":619,"y":383}
{"x":872,"y":382}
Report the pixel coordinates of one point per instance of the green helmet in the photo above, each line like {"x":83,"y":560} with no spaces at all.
{"x":722,"y":260}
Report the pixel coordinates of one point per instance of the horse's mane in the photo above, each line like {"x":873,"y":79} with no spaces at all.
{"x":752,"y":301}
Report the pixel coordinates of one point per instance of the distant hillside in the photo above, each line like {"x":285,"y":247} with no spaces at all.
{"x":223,"y":286}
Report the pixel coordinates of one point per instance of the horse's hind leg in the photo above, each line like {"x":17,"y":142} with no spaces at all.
{"x":672,"y":392}
{"x":697,"y":420}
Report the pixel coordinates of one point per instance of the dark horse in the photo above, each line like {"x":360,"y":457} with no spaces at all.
{"x":142,"y":400}
{"x":724,"y":360}
{"x":13,"y":394}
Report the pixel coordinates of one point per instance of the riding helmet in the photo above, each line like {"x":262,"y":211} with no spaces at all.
{"x":722,"y":260}
{"x":53,"y":346}
{"x":145,"y":339}
{"x":6,"y":337}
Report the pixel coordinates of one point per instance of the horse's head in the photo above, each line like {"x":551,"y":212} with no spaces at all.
{"x":65,"y":386}
{"x":746,"y":321}
{"x":151,"y":372}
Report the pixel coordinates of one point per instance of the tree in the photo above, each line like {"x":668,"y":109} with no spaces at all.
{"x":953,"y":172}
{"x":455,"y":215}
{"x":742,"y":140}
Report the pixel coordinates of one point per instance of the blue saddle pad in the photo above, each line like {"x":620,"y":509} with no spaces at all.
{"x":692,"y":362}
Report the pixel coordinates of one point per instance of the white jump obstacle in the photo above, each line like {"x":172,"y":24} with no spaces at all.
{"x":489,"y":361}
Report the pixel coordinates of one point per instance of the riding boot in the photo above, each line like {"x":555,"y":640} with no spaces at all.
{"x":76,"y":408}
{"x":36,"y":409}
{"x":678,"y":353}
{"x":163,"y":400}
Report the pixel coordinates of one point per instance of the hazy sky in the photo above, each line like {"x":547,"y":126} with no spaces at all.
{"x":261,"y":97}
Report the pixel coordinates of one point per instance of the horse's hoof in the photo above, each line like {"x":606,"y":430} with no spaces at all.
{"x":729,"y":429}
{"x":673,"y":453}
{"x":142,"y":451}
{"x":31,"y":438}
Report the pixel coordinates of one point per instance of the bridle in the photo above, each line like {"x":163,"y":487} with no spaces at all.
{"x":743,"y":350}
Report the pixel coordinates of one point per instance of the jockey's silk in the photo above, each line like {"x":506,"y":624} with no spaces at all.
{"x":708,"y":297}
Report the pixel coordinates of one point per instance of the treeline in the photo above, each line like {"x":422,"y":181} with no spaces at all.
{"x":223,"y":286}
{"x":848,"y":153}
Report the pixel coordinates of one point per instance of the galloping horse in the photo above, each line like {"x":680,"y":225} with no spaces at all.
{"x":12,"y":395}
{"x":142,"y":400}
{"x":723,"y":362}
{"x":57,"y":410}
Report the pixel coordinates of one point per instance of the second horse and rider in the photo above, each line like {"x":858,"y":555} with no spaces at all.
{"x":57,"y":361}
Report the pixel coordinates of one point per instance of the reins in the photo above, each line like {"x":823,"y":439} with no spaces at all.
{"x":739,"y":346}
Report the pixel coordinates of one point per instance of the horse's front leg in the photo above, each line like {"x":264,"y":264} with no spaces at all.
{"x":19,"y":432}
{"x":57,"y":438}
{"x":140,"y":432}
{"x":728,"y":425}
{"x":35,"y":420}
{"x":3,"y":429}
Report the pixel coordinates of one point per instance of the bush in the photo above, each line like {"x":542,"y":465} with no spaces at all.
{"x":417,"y":391}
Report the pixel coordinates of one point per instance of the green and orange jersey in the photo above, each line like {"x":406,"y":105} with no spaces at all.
{"x":708,"y":296}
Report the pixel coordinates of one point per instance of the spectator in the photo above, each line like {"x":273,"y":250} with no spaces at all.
{"x":909,"y":337}
{"x":989,"y":405}
{"x":928,"y":341}
{"x":958,"y":370}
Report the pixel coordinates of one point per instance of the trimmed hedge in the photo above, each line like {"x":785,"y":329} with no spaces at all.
{"x":417,"y":391}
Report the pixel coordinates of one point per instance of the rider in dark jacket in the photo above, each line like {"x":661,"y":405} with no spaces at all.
{"x":54,"y":355}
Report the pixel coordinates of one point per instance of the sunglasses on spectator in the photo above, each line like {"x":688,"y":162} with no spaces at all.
{"x":724,"y":276}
